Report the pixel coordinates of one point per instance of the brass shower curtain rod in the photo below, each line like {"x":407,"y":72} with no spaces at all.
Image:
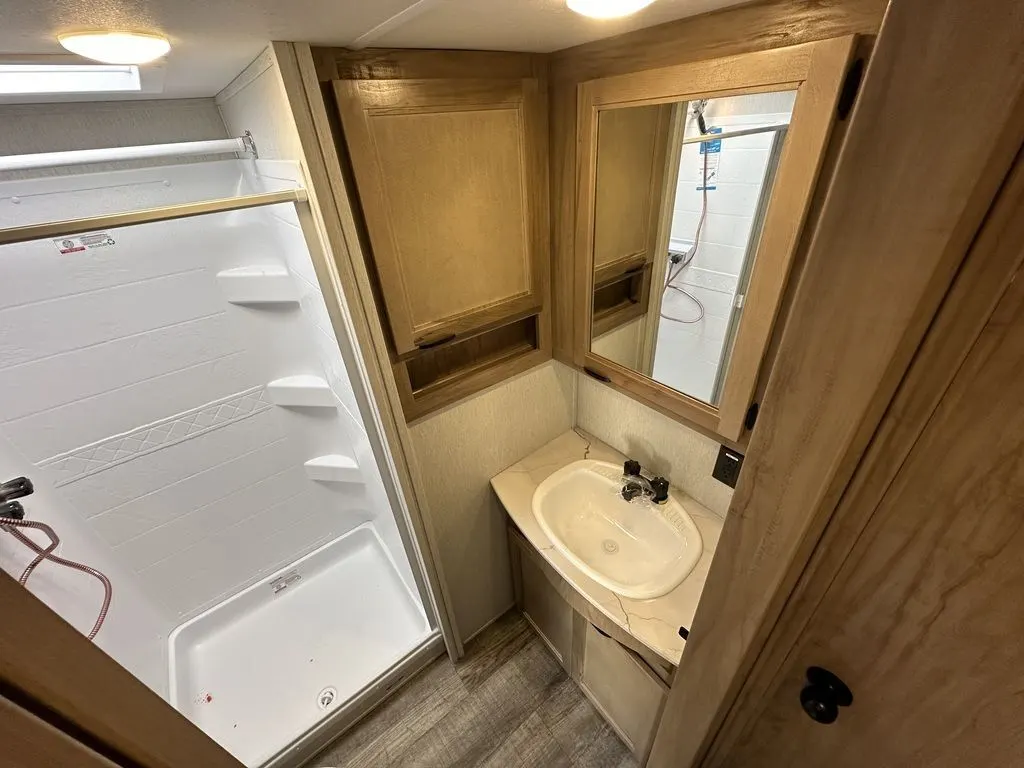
{"x":58,"y":229}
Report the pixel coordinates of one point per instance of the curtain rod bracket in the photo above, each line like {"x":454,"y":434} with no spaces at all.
{"x":250,"y":145}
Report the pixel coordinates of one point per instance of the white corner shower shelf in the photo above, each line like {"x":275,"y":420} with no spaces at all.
{"x":258,"y":285}
{"x":304,"y":391}
{"x":334,"y":469}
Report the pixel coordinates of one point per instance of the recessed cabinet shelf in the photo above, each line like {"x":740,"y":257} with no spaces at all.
{"x":258,"y":285}
{"x":437,"y":376}
{"x":334,"y":468}
{"x":301,"y":392}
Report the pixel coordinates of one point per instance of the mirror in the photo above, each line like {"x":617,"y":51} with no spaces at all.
{"x":679,"y":203}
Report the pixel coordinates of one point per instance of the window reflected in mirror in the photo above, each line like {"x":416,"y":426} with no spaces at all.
{"x":682,"y":190}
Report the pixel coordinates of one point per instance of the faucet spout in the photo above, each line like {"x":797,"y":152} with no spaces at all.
{"x":634,"y":484}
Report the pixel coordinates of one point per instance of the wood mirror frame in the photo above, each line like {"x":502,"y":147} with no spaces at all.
{"x":816,"y":71}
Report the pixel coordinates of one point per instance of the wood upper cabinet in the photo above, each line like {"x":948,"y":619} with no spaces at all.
{"x":451,"y":177}
{"x":630,"y":185}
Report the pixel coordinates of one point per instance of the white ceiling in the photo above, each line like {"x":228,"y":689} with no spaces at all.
{"x":213,"y":40}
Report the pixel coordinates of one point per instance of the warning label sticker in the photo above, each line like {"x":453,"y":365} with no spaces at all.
{"x":83,"y":243}
{"x":710,"y":158}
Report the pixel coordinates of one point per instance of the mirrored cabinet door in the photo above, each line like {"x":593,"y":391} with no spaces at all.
{"x":683,"y":229}
{"x":694,"y":184}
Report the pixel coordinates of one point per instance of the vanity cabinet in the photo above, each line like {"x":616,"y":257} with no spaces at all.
{"x":628,"y":689}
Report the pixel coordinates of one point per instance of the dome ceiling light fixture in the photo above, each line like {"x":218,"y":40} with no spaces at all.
{"x":116,"y":47}
{"x":607,"y":9}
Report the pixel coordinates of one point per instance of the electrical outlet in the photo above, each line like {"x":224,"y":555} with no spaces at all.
{"x":727,"y":466}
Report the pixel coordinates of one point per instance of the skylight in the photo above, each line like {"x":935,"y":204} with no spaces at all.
{"x":31,"y":79}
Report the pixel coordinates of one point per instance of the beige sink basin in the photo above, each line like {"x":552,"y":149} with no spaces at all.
{"x":638,"y":550}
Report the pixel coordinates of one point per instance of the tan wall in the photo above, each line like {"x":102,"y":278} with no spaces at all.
{"x":662,"y":445}
{"x":30,"y":128}
{"x":458,"y":450}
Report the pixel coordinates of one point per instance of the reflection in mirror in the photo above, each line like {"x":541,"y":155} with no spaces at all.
{"x":677,"y":222}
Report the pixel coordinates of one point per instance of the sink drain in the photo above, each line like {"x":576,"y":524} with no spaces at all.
{"x":326,"y":697}
{"x":610,"y":546}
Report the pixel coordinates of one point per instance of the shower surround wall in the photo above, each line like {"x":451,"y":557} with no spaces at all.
{"x":133,"y":630}
{"x":255,"y":101}
{"x":688,"y":354}
{"x":140,"y":391}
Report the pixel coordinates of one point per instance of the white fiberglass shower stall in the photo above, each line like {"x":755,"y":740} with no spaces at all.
{"x":173,"y":386}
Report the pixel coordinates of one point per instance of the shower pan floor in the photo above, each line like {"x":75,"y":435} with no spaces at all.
{"x":262,"y":668}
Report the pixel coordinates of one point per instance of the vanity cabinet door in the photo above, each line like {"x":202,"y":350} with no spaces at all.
{"x":627,"y":693}
{"x":549,"y":614}
{"x":451,"y":176}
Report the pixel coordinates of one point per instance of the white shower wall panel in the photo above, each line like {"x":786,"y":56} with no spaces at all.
{"x":274,"y":175}
{"x":134,"y":631}
{"x":125,"y":373}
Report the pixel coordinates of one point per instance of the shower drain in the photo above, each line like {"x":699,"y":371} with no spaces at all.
{"x":326,"y":697}
{"x":610,"y":546}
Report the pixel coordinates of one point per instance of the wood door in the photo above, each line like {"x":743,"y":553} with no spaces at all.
{"x":925,"y":619}
{"x":452,"y":179}
{"x":45,"y":660}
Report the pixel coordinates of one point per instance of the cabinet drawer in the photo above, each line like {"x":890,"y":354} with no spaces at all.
{"x":627,"y":692}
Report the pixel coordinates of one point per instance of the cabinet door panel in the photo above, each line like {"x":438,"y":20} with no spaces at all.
{"x":550,"y":615}
{"x":628,"y":695}
{"x":447,"y":173}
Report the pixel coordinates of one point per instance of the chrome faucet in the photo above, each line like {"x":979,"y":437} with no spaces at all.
{"x":636,"y":486}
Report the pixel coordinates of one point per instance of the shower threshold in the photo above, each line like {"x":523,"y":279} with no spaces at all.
{"x":259,"y":670}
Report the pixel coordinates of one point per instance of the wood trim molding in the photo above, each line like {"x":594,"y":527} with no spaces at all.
{"x":829,"y":387}
{"x":346,"y":282}
{"x":49,"y":662}
{"x":753,"y":27}
{"x":413,"y":63}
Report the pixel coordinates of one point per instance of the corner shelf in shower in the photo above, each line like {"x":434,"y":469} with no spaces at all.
{"x":258,"y":285}
{"x":334,"y":468}
{"x":301,"y":392}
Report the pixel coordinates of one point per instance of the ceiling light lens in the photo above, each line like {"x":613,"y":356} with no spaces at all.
{"x":607,"y":9}
{"x":116,"y":47}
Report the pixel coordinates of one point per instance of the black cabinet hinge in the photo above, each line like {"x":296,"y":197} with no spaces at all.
{"x":851,"y":86}
{"x":751,"y":418}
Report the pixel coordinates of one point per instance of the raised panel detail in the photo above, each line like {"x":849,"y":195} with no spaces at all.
{"x":454,"y":184}
{"x":451,"y":178}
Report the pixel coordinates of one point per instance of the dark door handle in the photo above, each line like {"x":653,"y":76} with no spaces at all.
{"x":823,"y":695}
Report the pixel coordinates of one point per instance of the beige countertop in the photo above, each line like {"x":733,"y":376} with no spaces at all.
{"x":655,"y":622}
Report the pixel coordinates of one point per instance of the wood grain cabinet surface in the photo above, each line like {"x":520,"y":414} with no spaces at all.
{"x":450,"y":175}
{"x":632,"y":147}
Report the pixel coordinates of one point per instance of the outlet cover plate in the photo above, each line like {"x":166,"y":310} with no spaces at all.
{"x":727,"y":466}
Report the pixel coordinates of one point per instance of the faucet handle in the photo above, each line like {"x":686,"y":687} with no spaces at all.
{"x":631,"y":468}
{"x":17,"y":488}
{"x":660,"y":487}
